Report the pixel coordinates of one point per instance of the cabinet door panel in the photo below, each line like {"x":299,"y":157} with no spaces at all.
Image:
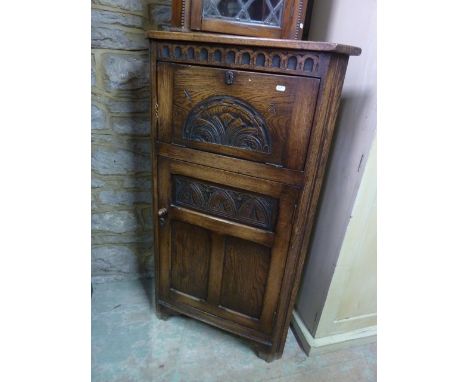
{"x":213,"y":261}
{"x":245,"y":275}
{"x":256,"y":116}
{"x":190,"y":259}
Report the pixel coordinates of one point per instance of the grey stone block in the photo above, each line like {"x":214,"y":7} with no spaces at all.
{"x":147,"y":214}
{"x":98,"y":118}
{"x":161,"y":2}
{"x":93,"y":70}
{"x":116,"y":221}
{"x":125,"y":71}
{"x":129,"y":5}
{"x":132,"y":237}
{"x":109,"y":37}
{"x":124,"y":105}
{"x":108,"y":161}
{"x":160,"y":14}
{"x":132,"y":125}
{"x":96,"y":183}
{"x":124,"y":197}
{"x":99,"y":16}
{"x":100,"y":139}
{"x":141,"y":146}
{"x":114,"y":259}
{"x":140,"y":183}
{"x":149,"y":263}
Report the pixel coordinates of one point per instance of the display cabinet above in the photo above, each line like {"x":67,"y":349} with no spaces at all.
{"x":258,"y":18}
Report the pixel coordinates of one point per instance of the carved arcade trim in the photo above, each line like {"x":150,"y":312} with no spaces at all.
{"x":228,"y":121}
{"x":263,"y":59}
{"x":243,"y":207}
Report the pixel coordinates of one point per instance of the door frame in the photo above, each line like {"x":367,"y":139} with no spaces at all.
{"x":293,"y":9}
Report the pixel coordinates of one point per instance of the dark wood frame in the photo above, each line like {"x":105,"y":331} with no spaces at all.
{"x":187,"y":15}
{"x":332,"y":60}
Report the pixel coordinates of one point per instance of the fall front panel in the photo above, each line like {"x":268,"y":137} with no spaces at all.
{"x":226,"y":112}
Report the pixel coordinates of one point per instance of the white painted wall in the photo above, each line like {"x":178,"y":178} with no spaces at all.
{"x":352,"y":298}
{"x":341,"y":250}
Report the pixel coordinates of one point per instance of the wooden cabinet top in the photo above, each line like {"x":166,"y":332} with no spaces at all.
{"x":255,"y":41}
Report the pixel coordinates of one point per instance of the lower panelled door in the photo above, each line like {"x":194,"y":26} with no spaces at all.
{"x":223,"y":240}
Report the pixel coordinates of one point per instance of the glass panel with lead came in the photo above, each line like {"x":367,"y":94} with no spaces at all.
{"x":267,"y":12}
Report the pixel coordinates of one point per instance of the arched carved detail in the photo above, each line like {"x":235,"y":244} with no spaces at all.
{"x":255,"y":210}
{"x":232,"y":57}
{"x":244,"y":207}
{"x":189,"y":194}
{"x":222,"y":202}
{"x":228,"y":121}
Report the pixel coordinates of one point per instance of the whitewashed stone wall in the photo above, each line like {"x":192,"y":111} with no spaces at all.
{"x":122,"y":237}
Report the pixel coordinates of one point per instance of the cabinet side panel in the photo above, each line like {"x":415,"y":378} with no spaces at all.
{"x":154,"y":161}
{"x":245,"y":274}
{"x":320,"y":142}
{"x":190,"y":259}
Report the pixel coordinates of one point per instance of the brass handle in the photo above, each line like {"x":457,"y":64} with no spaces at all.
{"x":229,"y":77}
{"x":162,"y":213}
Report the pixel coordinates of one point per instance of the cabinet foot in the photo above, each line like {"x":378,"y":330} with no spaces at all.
{"x":164,"y":313}
{"x":267,"y":354}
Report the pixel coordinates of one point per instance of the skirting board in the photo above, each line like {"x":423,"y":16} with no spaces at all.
{"x":308,"y":342}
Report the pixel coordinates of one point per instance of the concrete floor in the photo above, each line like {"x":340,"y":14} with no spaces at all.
{"x":129,"y":343}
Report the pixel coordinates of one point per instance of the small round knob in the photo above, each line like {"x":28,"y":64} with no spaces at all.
{"x":162,"y":213}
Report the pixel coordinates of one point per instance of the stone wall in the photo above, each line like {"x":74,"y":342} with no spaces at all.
{"x":121,"y":225}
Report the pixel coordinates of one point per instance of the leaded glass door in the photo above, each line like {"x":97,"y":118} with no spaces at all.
{"x":262,"y":18}
{"x":266,"y":12}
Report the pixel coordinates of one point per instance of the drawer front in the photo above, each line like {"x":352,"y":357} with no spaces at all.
{"x":223,"y":244}
{"x":256,"y":116}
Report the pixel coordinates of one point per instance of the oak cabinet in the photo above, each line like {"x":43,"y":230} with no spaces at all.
{"x":241,"y":130}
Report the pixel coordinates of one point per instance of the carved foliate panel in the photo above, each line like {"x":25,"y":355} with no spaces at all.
{"x":244,"y":207}
{"x":228,"y":121}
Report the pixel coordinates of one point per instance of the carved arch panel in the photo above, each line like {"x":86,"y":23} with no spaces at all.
{"x":244,"y":207}
{"x":228,"y":121}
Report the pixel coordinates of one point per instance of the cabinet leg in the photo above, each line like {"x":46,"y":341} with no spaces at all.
{"x":266,"y":353}
{"x":163,"y":313}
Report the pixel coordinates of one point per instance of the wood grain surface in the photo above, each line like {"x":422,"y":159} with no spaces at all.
{"x":245,"y":274}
